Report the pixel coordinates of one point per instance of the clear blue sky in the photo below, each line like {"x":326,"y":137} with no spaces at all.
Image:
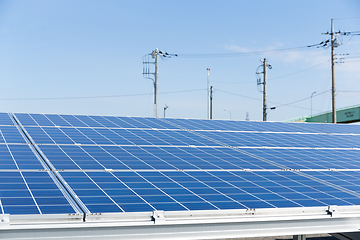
{"x":65,"y":50}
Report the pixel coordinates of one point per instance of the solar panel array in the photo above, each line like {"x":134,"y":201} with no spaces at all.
{"x":26,"y":184}
{"x":102,"y":164}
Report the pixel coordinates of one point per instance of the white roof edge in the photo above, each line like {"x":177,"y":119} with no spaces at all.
{"x":44,"y":218}
{"x":178,"y":217}
{"x":196,"y":224}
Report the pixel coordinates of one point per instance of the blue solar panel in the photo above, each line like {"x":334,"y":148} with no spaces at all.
{"x":199,"y":190}
{"x":226,"y":125}
{"x":5,"y":119}
{"x":10,"y":134}
{"x":134,"y":164}
{"x":32,"y":193}
{"x":310,"y":158}
{"x":88,"y":121}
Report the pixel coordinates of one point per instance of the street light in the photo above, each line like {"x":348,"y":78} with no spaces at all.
{"x":208,"y":93}
{"x":311,"y":101}
{"x":272,"y":108}
{"x":229,"y":112}
{"x":166,"y":107}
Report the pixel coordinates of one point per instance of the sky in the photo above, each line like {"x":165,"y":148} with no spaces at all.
{"x":86,"y":57}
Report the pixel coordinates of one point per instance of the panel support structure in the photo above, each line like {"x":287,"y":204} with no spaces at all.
{"x":194,"y":225}
{"x":299,"y":237}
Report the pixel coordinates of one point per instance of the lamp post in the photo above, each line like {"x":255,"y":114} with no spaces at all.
{"x":166,"y":107}
{"x":228,"y":111}
{"x":311,"y":102}
{"x":208,"y":93}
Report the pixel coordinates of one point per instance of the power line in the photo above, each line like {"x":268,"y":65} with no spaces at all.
{"x":303,"y":99}
{"x":299,"y":71}
{"x":349,"y":91}
{"x":96,"y":97}
{"x":233,"y":82}
{"x":303,"y":70}
{"x":222,"y":55}
{"x":235,"y":94}
{"x":281,"y":104}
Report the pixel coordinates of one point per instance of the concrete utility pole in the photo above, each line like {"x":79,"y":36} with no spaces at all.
{"x":211,"y":98}
{"x":264,"y":66}
{"x":333,"y":73}
{"x":208,"y":92}
{"x":333,"y":45}
{"x":153,"y":74}
{"x":264,"y":90}
{"x":155,"y":54}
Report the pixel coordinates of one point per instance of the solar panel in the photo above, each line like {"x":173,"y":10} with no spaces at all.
{"x":32,"y":193}
{"x":200,"y":190}
{"x":125,"y":164}
{"x":6,"y":120}
{"x":27,"y":187}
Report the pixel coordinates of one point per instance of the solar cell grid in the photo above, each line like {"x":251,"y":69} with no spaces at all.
{"x":204,"y":190}
{"x":41,"y":120}
{"x":73,"y":121}
{"x":104,"y":122}
{"x":36,"y":193}
{"x":162,"y":164}
{"x":134,"y":122}
{"x":158,"y":123}
{"x":57,"y":120}
{"x":5,"y":119}
{"x":10,"y":134}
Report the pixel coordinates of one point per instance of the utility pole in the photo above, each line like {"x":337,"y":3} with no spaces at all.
{"x":259,"y":82}
{"x":207,"y":90}
{"x":211,"y":98}
{"x":333,"y":73}
{"x":334,"y":44}
{"x":155,"y":54}
{"x":264,"y":91}
{"x":153,"y":74}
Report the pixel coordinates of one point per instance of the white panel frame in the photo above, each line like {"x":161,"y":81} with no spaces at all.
{"x":190,"y":224}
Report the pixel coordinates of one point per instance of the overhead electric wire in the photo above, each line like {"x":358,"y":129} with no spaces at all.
{"x":235,"y":94}
{"x":220,"y":55}
{"x":95,"y":97}
{"x":348,"y":91}
{"x":299,"y":71}
{"x":302,"y":99}
{"x":233,"y":82}
{"x":303,"y":70}
{"x":351,"y":61}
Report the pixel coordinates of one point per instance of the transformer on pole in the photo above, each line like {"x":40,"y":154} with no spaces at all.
{"x":153,"y":74}
{"x":334,"y":44}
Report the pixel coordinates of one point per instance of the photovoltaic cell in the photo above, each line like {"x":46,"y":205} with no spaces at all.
{"x":31,"y":193}
{"x":5,"y":119}
{"x":134,"y":164}
{"x":123,"y":191}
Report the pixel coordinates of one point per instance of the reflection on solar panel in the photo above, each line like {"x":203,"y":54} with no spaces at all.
{"x":99,"y":164}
